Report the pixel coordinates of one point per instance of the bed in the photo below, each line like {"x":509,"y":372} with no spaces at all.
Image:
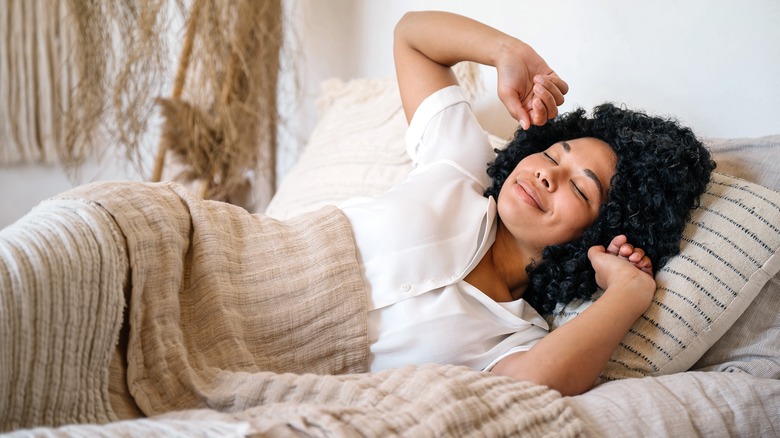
{"x":145,"y":358}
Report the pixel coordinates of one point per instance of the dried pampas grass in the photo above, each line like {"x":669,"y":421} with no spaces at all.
{"x":122,"y":62}
{"x":225,"y":123}
{"x":220,"y":122}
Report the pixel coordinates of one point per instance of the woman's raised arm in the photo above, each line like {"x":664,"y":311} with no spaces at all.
{"x":428,"y":43}
{"x":572,"y":356}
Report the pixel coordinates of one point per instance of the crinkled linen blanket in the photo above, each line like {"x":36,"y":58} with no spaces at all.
{"x":225,"y":323}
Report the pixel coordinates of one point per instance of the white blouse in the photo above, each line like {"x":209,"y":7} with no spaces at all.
{"x":417,"y":242}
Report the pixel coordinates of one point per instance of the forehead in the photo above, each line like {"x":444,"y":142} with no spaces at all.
{"x":595,"y":156}
{"x":590,"y":150}
{"x":589,"y":146}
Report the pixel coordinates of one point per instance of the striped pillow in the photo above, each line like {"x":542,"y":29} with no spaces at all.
{"x":729,"y":251}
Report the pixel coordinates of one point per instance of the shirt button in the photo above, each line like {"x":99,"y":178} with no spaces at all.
{"x":406,"y":287}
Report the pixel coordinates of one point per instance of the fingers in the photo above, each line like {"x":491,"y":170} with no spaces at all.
{"x":559,"y":83}
{"x":616,"y":243}
{"x":645,"y":265}
{"x":553,"y":86}
{"x":594,"y":251}
{"x":539,"y":113}
{"x":513,"y":103}
{"x":548,"y":91}
{"x":620,"y":247}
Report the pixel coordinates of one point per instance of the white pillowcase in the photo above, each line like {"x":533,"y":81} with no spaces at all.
{"x":728,"y":254}
{"x":356,"y":149}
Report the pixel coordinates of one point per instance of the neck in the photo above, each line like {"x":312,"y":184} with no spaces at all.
{"x":501,"y":272}
{"x":510,"y":260}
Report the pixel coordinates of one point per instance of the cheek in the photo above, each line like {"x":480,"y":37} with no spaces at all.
{"x":579,"y":216}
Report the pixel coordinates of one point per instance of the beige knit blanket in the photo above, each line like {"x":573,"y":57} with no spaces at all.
{"x":238,"y":324}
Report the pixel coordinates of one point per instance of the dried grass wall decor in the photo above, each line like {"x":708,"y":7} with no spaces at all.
{"x":108,"y":65}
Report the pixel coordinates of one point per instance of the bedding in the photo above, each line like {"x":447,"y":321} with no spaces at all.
{"x":357,"y":149}
{"x":360,"y":163}
{"x":237,"y":323}
{"x":729,"y":250}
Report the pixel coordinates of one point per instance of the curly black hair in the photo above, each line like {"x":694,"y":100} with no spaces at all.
{"x":662,"y":169}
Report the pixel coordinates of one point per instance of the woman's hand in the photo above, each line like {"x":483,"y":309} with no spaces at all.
{"x":529,"y":89}
{"x":427,"y":43}
{"x":572,"y":356}
{"x":624,"y":265}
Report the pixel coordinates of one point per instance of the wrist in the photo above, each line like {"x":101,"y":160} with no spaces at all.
{"x":634,"y":295}
{"x":508,"y":50}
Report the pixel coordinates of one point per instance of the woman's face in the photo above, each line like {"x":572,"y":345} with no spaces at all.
{"x":552,"y":196}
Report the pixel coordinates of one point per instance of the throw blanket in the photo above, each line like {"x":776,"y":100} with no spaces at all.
{"x":236,"y":322}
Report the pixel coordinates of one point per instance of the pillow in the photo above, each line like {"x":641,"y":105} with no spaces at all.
{"x":356,"y":149}
{"x":729,"y":251}
{"x":749,"y":158}
{"x":750,"y":345}
{"x":728,"y":254}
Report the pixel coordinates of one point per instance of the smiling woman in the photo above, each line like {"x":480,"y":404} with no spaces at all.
{"x":565,"y":184}
{"x":580,"y":202}
{"x":660,"y":170}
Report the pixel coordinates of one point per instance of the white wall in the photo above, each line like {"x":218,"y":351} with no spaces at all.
{"x":715,"y":64}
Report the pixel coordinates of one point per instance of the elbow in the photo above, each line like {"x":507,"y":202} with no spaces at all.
{"x":567,"y":387}
{"x":568,"y":384}
{"x":400,"y":31}
{"x":405,"y":25}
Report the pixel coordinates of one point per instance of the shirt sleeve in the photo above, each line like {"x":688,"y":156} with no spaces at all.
{"x":519,"y":348}
{"x":444,"y":129}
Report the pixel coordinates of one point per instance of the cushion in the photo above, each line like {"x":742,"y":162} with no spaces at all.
{"x":682,"y":405}
{"x":356,"y":149}
{"x":729,"y":252}
{"x":750,"y":345}
{"x":748,"y":158}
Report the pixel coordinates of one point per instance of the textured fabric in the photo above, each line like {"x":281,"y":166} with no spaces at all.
{"x":62,"y":272}
{"x":222,"y":298}
{"x":728,"y":253}
{"x":37,"y":79}
{"x":424,"y":401}
{"x":752,"y":159}
{"x":692,"y":404}
{"x":752,"y":344}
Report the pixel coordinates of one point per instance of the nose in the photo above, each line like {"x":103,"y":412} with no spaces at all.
{"x":546,"y":176}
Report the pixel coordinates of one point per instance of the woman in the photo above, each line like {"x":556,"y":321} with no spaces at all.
{"x":450,"y":258}
{"x":450,"y":285}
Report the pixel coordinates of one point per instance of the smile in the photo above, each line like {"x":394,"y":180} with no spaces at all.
{"x":528,"y":195}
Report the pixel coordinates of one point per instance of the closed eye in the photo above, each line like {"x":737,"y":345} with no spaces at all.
{"x":550,"y":158}
{"x":580,"y":193}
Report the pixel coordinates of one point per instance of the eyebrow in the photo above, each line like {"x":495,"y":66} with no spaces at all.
{"x":589,"y":173}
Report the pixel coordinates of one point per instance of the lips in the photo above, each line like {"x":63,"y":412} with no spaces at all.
{"x":528,"y":194}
